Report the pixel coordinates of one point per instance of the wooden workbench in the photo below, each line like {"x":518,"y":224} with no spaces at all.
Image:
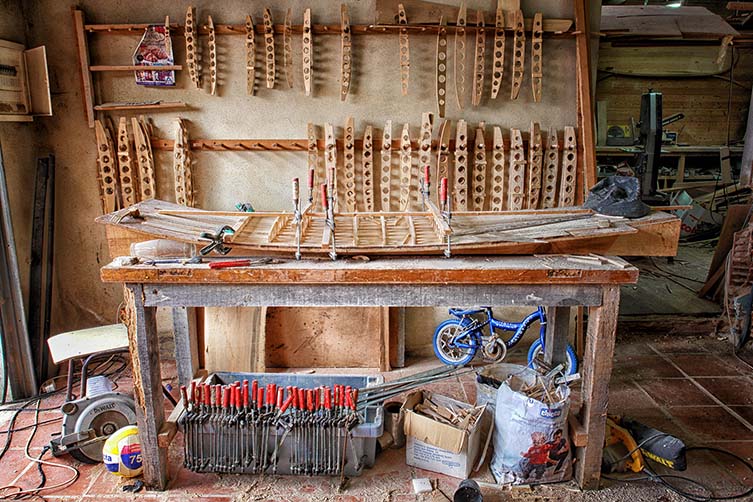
{"x":558,"y":282}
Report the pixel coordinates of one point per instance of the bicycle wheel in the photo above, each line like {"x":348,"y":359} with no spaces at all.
{"x":445,"y":350}
{"x":571,"y":360}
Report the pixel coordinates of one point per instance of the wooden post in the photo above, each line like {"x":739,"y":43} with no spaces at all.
{"x":557,"y":329}
{"x":87,"y":88}
{"x":585,"y":103}
{"x":746,"y":170}
{"x":597,"y":369}
{"x":186,"y":343}
{"x":147,"y":384}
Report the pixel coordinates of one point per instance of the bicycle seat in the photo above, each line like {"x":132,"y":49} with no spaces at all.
{"x":461,"y":312}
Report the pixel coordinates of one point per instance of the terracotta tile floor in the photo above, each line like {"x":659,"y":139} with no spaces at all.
{"x":692,"y":387}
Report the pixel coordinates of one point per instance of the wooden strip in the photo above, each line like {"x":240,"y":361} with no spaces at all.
{"x":128,"y":179}
{"x":307,"y":48}
{"x":355,"y":230}
{"x":479,"y":170}
{"x":537,"y":56}
{"x":82,"y":47}
{"x":144,"y":160}
{"x":519,"y":53}
{"x":498,"y":65}
{"x":349,"y":165}
{"x":516,"y":182}
{"x":212,"y":44}
{"x":269,"y":48}
{"x":403,"y":39}
{"x":478,"y":65}
{"x":460,"y":56}
{"x":367,"y":170}
{"x":551,"y":170}
{"x":182,"y":166}
{"x":498,"y":172}
{"x":250,"y":56}
{"x":330,"y":163}
{"x":312,"y":163}
{"x":287,"y":50}
{"x":385,"y":181}
{"x":585,"y":104}
{"x":441,"y":77}
{"x":443,"y":157}
{"x":460,"y":178}
{"x":568,"y":172}
{"x":106,"y":167}
{"x":345,"y":52}
{"x":383,"y":224}
{"x":535,"y":157}
{"x":192,"y":57}
{"x":424,"y":158}
{"x":405,"y":168}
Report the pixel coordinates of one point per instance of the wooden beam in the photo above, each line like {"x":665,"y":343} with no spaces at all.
{"x":585,"y":104}
{"x":746,"y":169}
{"x":82,"y":47}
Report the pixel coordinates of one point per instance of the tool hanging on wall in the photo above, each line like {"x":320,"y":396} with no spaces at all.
{"x":424,"y":158}
{"x":516,"y":183}
{"x":330,"y":164}
{"x":498,"y":62}
{"x":367,"y":170}
{"x":349,"y":165}
{"x":551,"y":167}
{"x":405,"y":167}
{"x":269,"y":48}
{"x":478,"y":64}
{"x":443,"y":154}
{"x":385,"y":182}
{"x":307,"y":49}
{"x":345,"y":52}
{"x":441,"y":76}
{"x":479,"y":169}
{"x":460,"y":177}
{"x":182,"y":171}
{"x":144,"y":158}
{"x":403,"y":39}
{"x":250,"y":56}
{"x":128,"y":178}
{"x":108,"y":187}
{"x":567,"y":173}
{"x":535,"y":157}
{"x":212,"y":44}
{"x":460,"y":57}
{"x":537,"y":56}
{"x":192,"y":45}
{"x":498,"y":171}
{"x":519,"y":54}
{"x":287,"y":49}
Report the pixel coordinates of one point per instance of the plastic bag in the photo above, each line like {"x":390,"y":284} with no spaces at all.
{"x":617,"y":196}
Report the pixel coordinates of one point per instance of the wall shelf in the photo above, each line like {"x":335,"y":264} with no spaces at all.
{"x":173,"y":67}
{"x":167,"y":105}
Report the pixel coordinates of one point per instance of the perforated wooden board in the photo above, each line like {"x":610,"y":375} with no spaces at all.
{"x":479,"y":170}
{"x":519,"y":55}
{"x":443,"y":157}
{"x":144,"y":159}
{"x":498,"y":61}
{"x":345,"y":52}
{"x":551,"y":170}
{"x":516,"y":184}
{"x":424,"y":158}
{"x":349,"y":165}
{"x":460,"y":177}
{"x":385,"y":166}
{"x":441,"y":67}
{"x":367,"y":170}
{"x":212,"y":45}
{"x":330,"y":162}
{"x":269,"y":49}
{"x":312,"y":162}
{"x":128,"y":178}
{"x":287,"y":49}
{"x":478,"y":62}
{"x":250,"y":56}
{"x":405,"y":168}
{"x":182,"y":166}
{"x":568,"y":172}
{"x":499,"y":175}
{"x":192,"y":58}
{"x":460,"y":41}
{"x":106,"y":167}
{"x":535,"y":157}
{"x":537,"y":56}
{"x":307,"y":49}
{"x":404,"y":42}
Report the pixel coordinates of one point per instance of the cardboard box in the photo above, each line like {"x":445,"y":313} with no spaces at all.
{"x":439,"y":447}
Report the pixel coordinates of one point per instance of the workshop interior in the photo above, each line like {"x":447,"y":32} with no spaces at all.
{"x":378,"y":250}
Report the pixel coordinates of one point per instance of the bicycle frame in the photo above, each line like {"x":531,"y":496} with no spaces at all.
{"x":519,"y":328}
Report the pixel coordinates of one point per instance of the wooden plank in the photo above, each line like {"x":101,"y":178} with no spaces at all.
{"x":537,"y":57}
{"x":460,"y":176}
{"x":535,"y":159}
{"x":460,"y":42}
{"x":186,"y":343}
{"x":441,"y":68}
{"x":345,"y":52}
{"x":367,"y":171}
{"x":397,"y":336}
{"x":349,"y":166}
{"x":746,"y":168}
{"x":596,"y":371}
{"x":479,"y":170}
{"x":519,"y":51}
{"x":235,"y":339}
{"x":551,"y":170}
{"x":498,"y":199}
{"x":406,"y":168}
{"x":479,"y":57}
{"x":585,"y":104}
{"x":82,"y":47}
{"x":385,"y":157}
{"x":516,"y":181}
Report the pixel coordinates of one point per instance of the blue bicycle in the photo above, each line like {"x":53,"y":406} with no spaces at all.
{"x":458,"y":340}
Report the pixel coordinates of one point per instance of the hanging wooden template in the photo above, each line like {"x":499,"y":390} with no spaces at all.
{"x":517,"y":173}
{"x":537,"y":56}
{"x":212,"y":44}
{"x":128,"y":179}
{"x":269,"y":48}
{"x":498,"y":171}
{"x":307,"y":48}
{"x":182,"y":166}
{"x":385,"y":182}
{"x":345,"y":52}
{"x":478,"y":65}
{"x":551,"y":167}
{"x":250,"y":56}
{"x":192,"y":58}
{"x":405,"y":168}
{"x":287,"y":49}
{"x":402,"y":20}
{"x":144,"y":159}
{"x":106,"y":167}
{"x":330,"y":162}
{"x":312,"y":163}
{"x":568,"y":172}
{"x":460,"y":178}
{"x":349,"y":165}
{"x":441,"y":67}
{"x":367,"y":170}
{"x":443,"y":157}
{"x":498,"y":64}
{"x":424,"y":157}
{"x":460,"y":57}
{"x":519,"y":55}
{"x":535,"y":157}
{"x":479,"y":169}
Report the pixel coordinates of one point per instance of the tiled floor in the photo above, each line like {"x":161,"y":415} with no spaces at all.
{"x":692,"y":387}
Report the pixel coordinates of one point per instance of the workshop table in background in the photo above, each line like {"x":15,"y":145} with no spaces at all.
{"x":556,"y":281}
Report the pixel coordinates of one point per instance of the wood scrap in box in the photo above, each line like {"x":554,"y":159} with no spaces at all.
{"x":454,"y":416}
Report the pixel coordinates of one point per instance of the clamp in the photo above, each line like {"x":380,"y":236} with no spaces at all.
{"x":217,"y":243}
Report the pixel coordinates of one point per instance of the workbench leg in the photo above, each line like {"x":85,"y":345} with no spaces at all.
{"x":596,"y":371}
{"x":147,"y":385}
{"x":186,"y":343}
{"x":557,"y":331}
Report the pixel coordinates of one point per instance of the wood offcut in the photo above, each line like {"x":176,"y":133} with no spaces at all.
{"x":478,"y":64}
{"x":517,"y":172}
{"x":367,"y":170}
{"x":498,"y":60}
{"x":424,"y":157}
{"x":404,"y":43}
{"x":250,"y":56}
{"x":307,"y":49}
{"x":345,"y":52}
{"x":182,"y":166}
{"x":127,"y":177}
{"x":405,"y":168}
{"x":106,"y":167}
{"x":568,"y":172}
{"x":551,"y":170}
{"x":460,"y":41}
{"x":212,"y":44}
{"x":479,"y":170}
{"x":443,"y":158}
{"x":535,"y":157}
{"x":192,"y":57}
{"x":498,"y":171}
{"x":519,"y":55}
{"x":460,"y":176}
{"x":269,"y":48}
{"x":287,"y":48}
{"x":441,"y":68}
{"x":144,"y":159}
{"x":349,"y":165}
{"x":330,"y":162}
{"x":537,"y":56}
{"x":313,"y":165}
{"x":385,"y":180}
